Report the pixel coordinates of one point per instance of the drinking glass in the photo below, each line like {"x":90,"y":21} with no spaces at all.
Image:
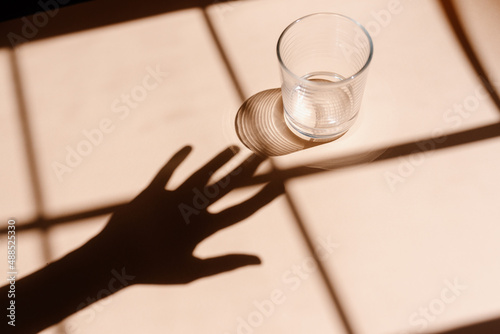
{"x":324,"y":59}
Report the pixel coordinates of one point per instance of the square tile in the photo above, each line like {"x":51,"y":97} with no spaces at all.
{"x":119,"y":101}
{"x":404,"y":243}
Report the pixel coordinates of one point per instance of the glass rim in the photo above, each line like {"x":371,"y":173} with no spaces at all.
{"x":344,"y":81}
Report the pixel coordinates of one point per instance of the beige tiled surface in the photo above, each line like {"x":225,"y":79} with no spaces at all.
{"x":70,"y":84}
{"x":395,"y":246}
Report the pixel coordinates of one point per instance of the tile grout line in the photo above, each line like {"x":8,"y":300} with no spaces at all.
{"x":298,"y":219}
{"x":31,"y":158}
{"x":323,"y":272}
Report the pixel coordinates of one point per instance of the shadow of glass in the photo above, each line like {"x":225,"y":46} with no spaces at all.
{"x":261,"y":127}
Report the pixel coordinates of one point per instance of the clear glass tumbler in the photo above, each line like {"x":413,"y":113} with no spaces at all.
{"x":324,"y":61}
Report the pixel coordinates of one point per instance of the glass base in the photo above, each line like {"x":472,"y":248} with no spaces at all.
{"x":308,"y":134}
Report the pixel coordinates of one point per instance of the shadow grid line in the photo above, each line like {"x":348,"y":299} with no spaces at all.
{"x":298,"y":220}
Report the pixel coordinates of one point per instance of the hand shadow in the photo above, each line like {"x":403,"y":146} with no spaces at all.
{"x":150,"y":240}
{"x":165,"y":227}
